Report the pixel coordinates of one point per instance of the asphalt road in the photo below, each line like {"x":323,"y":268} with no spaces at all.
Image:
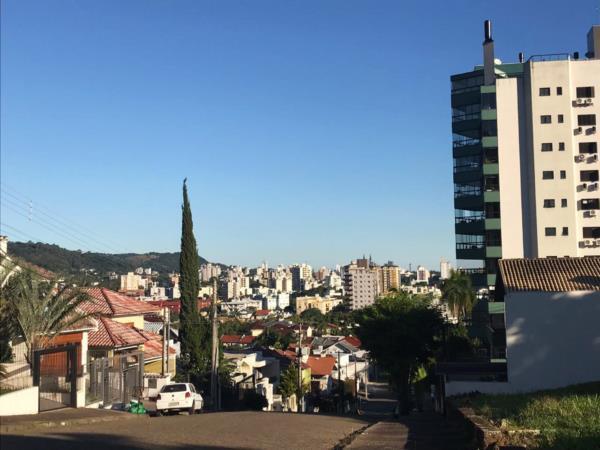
{"x":227,"y":430}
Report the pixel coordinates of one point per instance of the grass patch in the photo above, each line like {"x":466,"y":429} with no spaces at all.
{"x":568,"y":418}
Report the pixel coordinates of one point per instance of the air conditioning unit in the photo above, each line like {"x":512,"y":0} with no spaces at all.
{"x":578,"y":130}
{"x":591,"y":213}
{"x":584,"y":186}
{"x":580,"y":101}
{"x":593,"y":186}
{"x":597,"y":242}
{"x":588,"y":243}
{"x":592,"y":130}
{"x":580,"y":158}
{"x":594,"y":158}
{"x":588,"y":101}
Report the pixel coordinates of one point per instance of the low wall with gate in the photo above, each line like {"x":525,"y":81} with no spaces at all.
{"x":24,"y":401}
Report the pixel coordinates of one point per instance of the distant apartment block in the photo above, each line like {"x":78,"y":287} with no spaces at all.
{"x":388,"y":277}
{"x":525,"y":148}
{"x":360,"y":284}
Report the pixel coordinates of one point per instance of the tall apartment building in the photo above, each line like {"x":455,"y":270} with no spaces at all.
{"x":208,"y":271}
{"x":525,"y":148}
{"x":360,"y":284}
{"x":445,"y":268}
{"x":388,"y":277}
{"x":301,"y":273}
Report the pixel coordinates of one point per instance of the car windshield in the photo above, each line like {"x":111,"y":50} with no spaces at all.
{"x":173,"y":388}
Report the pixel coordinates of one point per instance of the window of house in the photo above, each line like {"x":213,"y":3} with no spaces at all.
{"x":491,"y":155}
{"x":561,"y":118}
{"x":586,"y":120}
{"x":588,"y":147}
{"x":488,"y":101}
{"x":588,"y":175}
{"x":563,"y":174}
{"x":492,"y":210}
{"x":489,"y":128}
{"x":591,"y":232}
{"x":544,"y":92}
{"x":546,"y":119}
{"x":550,"y":231}
{"x":491,"y":183}
{"x":559,"y":90}
{"x":561,"y":146}
{"x":547,"y":146}
{"x":563,"y":203}
{"x":590,"y":203}
{"x":548,"y":175}
{"x":565,"y":231}
{"x":585,"y":92}
{"x":549,"y":203}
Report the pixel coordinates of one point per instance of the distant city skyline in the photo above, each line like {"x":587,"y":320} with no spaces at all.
{"x":308,"y":132}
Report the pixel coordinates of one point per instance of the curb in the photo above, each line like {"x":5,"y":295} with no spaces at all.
{"x":66,"y":423}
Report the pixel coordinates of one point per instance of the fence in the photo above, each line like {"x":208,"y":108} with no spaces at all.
{"x":17,"y":373}
{"x":115,"y":380}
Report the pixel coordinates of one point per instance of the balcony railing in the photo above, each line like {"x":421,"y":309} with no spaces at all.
{"x":464,"y":142}
{"x":462,"y":117}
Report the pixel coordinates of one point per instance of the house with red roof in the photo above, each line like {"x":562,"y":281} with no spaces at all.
{"x":231,"y":340}
{"x":321,"y":370}
{"x":120,"y":328}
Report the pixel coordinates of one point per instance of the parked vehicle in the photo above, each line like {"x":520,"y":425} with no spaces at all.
{"x":176,"y":397}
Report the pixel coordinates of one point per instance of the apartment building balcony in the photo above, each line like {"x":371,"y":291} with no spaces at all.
{"x":478,"y":276}
{"x":470,"y":251}
{"x":493,"y":251}
{"x":469,"y":225}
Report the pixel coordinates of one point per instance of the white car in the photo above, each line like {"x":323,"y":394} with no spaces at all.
{"x":178,"y":397}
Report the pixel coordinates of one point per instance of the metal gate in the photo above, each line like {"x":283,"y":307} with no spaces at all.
{"x":55,"y":374}
{"x":115,"y":380}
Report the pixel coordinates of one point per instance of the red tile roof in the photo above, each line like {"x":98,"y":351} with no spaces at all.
{"x":235,"y":339}
{"x":321,"y":366}
{"x":175,"y":305}
{"x":551,"y":274}
{"x":354,"y":341}
{"x":113,"y":335}
{"x":262,"y":312}
{"x":109,"y":303}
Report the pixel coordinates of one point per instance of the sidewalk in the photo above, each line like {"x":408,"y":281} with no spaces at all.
{"x":62,"y":418}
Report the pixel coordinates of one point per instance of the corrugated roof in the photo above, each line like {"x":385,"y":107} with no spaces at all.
{"x":551,"y":274}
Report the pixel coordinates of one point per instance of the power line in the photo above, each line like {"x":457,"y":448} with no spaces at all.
{"x":63,"y":222}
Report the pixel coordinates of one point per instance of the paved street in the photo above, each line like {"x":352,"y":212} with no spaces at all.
{"x":233,"y":430}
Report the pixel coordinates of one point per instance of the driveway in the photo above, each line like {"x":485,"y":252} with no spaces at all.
{"x":226,"y":430}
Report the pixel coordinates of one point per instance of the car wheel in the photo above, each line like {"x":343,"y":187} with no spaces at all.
{"x":158,"y":413}
{"x":192,"y":409}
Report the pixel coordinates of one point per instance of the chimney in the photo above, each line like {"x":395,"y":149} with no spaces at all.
{"x":489,"y":73}
{"x":521,"y":57}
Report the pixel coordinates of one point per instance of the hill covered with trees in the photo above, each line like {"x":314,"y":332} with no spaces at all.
{"x":71,"y":262}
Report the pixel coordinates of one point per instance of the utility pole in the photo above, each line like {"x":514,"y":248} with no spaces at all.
{"x":340,"y":387}
{"x":168,"y":326}
{"x":164,"y":344}
{"x":300,"y":393}
{"x":215,"y":393}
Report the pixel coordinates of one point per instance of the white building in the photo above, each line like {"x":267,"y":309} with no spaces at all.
{"x":422,"y":275}
{"x":209,"y":271}
{"x":445,"y":268}
{"x":360,"y":285}
{"x":132,"y":281}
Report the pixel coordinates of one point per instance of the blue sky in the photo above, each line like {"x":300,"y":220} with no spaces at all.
{"x":311,"y":131}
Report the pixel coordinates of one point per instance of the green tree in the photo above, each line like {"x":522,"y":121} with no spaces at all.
{"x":458,"y":294}
{"x":288,"y":385}
{"x":402,"y":332}
{"x":38,"y":310}
{"x":192,"y":328}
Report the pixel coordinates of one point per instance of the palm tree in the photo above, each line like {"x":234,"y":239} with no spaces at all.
{"x":458,"y":294}
{"x":39,"y":310}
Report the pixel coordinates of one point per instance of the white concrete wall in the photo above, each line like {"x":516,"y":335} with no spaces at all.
{"x":553,"y":339}
{"x":24,"y":401}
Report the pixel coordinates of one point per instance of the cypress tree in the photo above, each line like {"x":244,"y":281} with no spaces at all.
{"x":189,"y":284}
